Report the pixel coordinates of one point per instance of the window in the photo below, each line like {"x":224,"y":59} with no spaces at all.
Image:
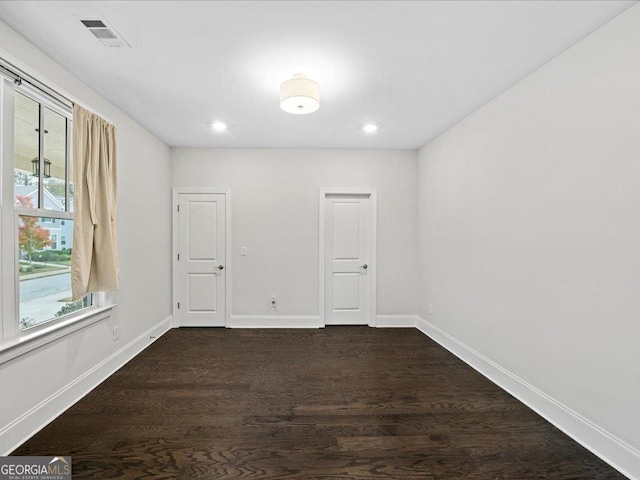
{"x":42,"y":190}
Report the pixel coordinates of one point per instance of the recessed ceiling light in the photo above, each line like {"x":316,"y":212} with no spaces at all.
{"x":370,"y":128}
{"x":219,"y":126}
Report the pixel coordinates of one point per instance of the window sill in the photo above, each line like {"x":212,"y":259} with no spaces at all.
{"x":28,"y":341}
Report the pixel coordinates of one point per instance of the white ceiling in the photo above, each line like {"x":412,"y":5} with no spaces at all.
{"x":414,"y":68}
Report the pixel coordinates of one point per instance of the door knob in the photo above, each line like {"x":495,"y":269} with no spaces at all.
{"x":365,"y":266}
{"x":220,"y":267}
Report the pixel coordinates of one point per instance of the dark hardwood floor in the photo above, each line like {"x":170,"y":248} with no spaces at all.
{"x":338,"y":403}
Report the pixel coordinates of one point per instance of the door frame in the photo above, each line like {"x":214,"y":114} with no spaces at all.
{"x":175,"y":196}
{"x":373,"y":199}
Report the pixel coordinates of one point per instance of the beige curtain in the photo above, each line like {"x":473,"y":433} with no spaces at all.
{"x":94,"y":263}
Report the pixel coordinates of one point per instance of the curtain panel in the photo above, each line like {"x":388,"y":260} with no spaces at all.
{"x":94,"y":263}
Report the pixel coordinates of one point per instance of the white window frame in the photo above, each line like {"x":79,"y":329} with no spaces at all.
{"x":13,"y":341}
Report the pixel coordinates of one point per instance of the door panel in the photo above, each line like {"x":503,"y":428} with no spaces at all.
{"x":202,"y":292}
{"x":346,"y":291}
{"x":202,"y":250}
{"x":202,"y":227}
{"x":346,"y":229}
{"x":347,"y":251}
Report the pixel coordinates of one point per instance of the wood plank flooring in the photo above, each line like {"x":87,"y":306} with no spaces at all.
{"x":337,"y":403}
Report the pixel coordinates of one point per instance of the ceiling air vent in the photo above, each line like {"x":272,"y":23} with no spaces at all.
{"x":105,"y":33}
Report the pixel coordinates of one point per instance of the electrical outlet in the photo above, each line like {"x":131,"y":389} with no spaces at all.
{"x":430,"y":309}
{"x":116,"y":333}
{"x":274,"y":302}
{"x":243,"y":251}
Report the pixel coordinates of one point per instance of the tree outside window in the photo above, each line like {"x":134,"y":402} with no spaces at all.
{"x":31,"y":236}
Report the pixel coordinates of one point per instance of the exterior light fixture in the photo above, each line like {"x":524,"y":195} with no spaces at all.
{"x":35,"y":167}
{"x":35,"y":163}
{"x":299,"y":95}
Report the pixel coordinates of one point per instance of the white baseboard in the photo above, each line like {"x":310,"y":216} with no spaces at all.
{"x":275,"y":321}
{"x":34,"y":420}
{"x":396,"y":321}
{"x":312,"y":321}
{"x":612,"y":450}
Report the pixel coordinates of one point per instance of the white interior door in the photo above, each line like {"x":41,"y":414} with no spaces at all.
{"x":348,"y":232}
{"x":201,"y":260}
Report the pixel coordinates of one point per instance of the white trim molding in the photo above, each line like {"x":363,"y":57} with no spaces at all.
{"x":38,"y":337}
{"x":396,"y":321}
{"x":276,"y":321}
{"x":34,"y":420}
{"x":175,"y":196}
{"x":373,"y":267}
{"x":605,"y":445}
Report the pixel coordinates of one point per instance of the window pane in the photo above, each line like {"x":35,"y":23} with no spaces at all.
{"x":55,"y":145}
{"x":45,"y":271}
{"x":70,"y":176}
{"x":27,"y":115}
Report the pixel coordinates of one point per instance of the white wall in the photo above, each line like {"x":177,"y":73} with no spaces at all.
{"x":144,"y":300}
{"x":275,"y":215}
{"x":529,"y":230}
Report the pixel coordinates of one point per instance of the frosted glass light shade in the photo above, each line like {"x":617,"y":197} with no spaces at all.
{"x":299,"y":95}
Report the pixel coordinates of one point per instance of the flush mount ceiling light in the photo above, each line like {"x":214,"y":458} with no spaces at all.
{"x":299,"y":95}
{"x":370,"y":128}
